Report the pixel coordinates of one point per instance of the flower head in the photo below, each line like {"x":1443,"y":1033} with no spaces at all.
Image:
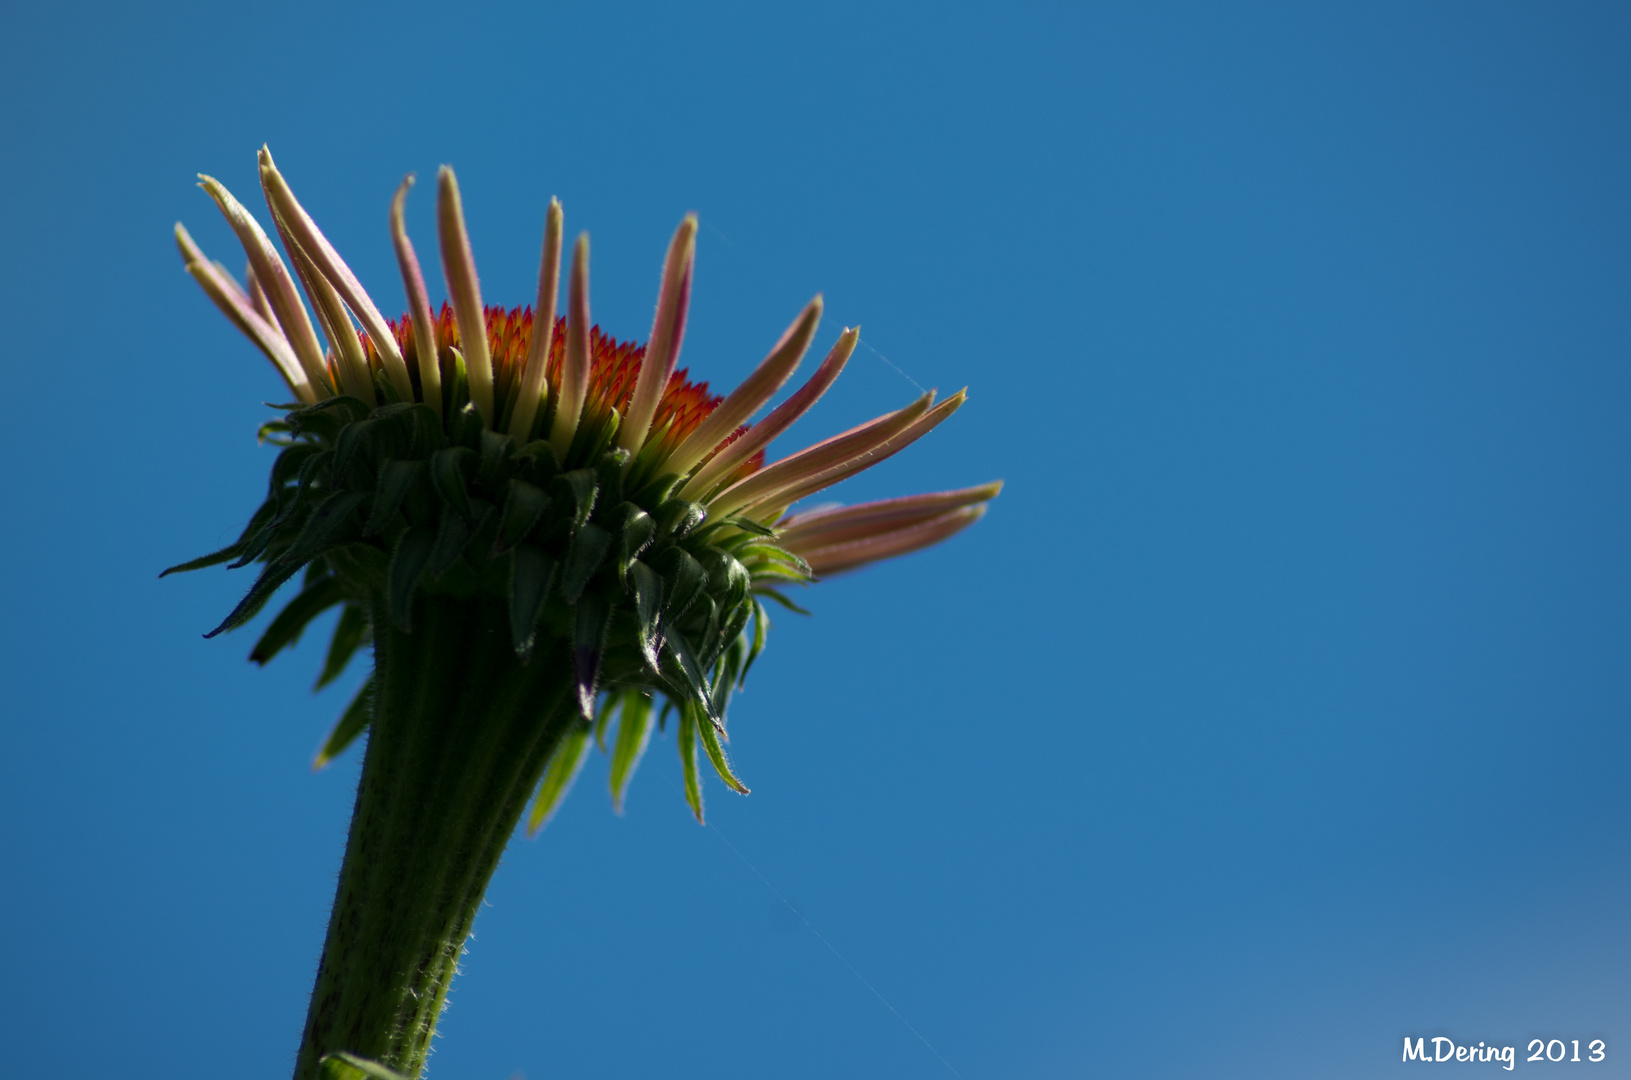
{"x":619,"y":510}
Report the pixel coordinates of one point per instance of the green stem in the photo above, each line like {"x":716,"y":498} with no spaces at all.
{"x":460,"y":736}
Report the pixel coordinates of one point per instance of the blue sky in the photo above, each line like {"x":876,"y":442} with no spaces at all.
{"x":1276,"y":711}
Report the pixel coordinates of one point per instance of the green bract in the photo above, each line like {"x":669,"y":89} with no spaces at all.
{"x":381,"y":507}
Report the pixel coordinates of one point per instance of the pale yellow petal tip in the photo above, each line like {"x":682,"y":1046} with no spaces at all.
{"x":190,"y":251}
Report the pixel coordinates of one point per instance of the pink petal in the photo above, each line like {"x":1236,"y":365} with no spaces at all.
{"x":747,"y":398}
{"x":413,"y":283}
{"x":459,"y":266}
{"x":780,"y":419}
{"x":667,"y":331}
{"x":533,"y":387}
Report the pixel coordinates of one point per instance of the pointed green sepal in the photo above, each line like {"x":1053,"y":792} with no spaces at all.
{"x":326,"y":527}
{"x":451,"y":536}
{"x":748,"y":525}
{"x":633,"y":536}
{"x":286,"y":628}
{"x":634,"y":726}
{"x":353,"y":722}
{"x":716,"y":754}
{"x":396,"y":478}
{"x":340,"y":1065}
{"x":761,"y":633}
{"x":532,"y":572}
{"x":691,"y":673}
{"x":351,"y":632}
{"x":588,"y":640}
{"x":687,"y":741}
{"x":562,"y":769}
{"x":603,"y":719}
{"x":448,"y":469}
{"x":683,"y":581}
{"x":408,"y":561}
{"x":655,"y":493}
{"x":214,"y":558}
{"x":765,"y":590}
{"x":524,"y":504}
{"x":581,"y":488}
{"x":352,"y":438}
{"x":677,"y":517}
{"x":648,"y":609}
{"x":583,"y":557}
{"x":725,"y":573}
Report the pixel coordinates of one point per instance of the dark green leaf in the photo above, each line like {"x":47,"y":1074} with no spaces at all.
{"x":648,"y":604}
{"x":690,"y":671}
{"x":609,"y":475}
{"x":289,"y":464}
{"x":580,"y":488}
{"x":524,"y":504}
{"x":683,"y":580}
{"x":214,"y":558}
{"x":588,"y":639}
{"x":451,"y":536}
{"x":327,"y":417}
{"x":583,"y":557}
{"x":352,"y":438}
{"x":677,"y":517}
{"x":496,"y":449}
{"x":285,"y":629}
{"x":656,"y":492}
{"x":447,"y":474}
{"x":725,"y":575}
{"x":408,"y":561}
{"x":351,"y":631}
{"x":532,"y":572}
{"x":329,"y":524}
{"x":353,"y":722}
{"x":539,"y":457}
{"x":633,"y":535}
{"x":395,"y":480}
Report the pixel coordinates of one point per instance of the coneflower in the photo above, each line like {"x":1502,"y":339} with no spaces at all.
{"x":542,"y":532}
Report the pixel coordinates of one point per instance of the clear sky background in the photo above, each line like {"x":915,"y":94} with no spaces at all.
{"x":1276,"y":711}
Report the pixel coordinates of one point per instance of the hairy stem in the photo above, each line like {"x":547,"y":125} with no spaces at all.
{"x":460,"y":736}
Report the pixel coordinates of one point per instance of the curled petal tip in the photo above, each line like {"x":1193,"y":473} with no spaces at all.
{"x":413,"y":284}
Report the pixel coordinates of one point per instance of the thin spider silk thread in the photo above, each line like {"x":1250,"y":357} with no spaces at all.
{"x":760,"y":266}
